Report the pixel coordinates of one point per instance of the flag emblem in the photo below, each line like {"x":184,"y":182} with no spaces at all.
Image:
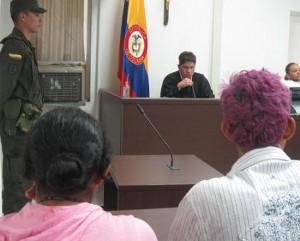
{"x":136,"y":44}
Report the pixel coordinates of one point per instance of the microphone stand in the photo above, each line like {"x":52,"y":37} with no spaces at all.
{"x":172,"y":165}
{"x":193,"y":89}
{"x":194,"y":94}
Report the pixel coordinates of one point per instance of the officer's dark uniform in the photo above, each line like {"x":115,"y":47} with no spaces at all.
{"x":20,"y":106}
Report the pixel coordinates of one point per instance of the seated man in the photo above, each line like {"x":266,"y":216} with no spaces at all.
{"x":292,"y":72}
{"x":292,"y":75}
{"x":185,"y":83}
{"x":259,"y":198}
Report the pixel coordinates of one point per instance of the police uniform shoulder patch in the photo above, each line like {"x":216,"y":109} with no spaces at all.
{"x":15,"y":56}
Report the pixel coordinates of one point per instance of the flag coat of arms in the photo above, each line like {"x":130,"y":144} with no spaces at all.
{"x":133,"y":57}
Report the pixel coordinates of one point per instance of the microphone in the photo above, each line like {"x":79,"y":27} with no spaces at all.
{"x":193,"y":91}
{"x":172,"y":166}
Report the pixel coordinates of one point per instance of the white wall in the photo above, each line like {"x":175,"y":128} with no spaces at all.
{"x":294,"y":39}
{"x":226,"y":36}
{"x":255,"y":34}
{"x":5,"y":20}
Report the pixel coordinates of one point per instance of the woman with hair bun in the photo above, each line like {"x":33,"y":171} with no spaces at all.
{"x":67,"y":156}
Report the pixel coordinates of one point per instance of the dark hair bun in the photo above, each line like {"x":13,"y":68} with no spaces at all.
{"x":65,"y":172}
{"x":65,"y":150}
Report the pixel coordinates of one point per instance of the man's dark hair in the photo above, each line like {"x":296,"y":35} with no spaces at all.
{"x":187,"y":56}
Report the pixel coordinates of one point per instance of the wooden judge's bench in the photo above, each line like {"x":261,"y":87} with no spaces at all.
{"x":189,"y":126}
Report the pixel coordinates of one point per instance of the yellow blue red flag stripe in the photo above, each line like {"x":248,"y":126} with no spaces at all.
{"x":15,"y":56}
{"x":133,"y":49}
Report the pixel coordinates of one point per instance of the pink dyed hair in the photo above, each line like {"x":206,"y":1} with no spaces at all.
{"x":256,"y":107}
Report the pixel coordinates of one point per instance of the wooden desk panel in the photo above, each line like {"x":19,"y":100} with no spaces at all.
{"x":145,"y":181}
{"x":293,"y":146}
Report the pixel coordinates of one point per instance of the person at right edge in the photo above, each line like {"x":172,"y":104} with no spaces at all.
{"x":185,"y":82}
{"x":259,"y":198}
{"x":292,"y":75}
{"x":20,"y":98}
{"x":292,"y":72}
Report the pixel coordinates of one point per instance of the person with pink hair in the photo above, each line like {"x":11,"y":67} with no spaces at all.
{"x":259,"y":198}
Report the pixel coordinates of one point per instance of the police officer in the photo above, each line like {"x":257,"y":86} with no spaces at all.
{"x":20,"y":97}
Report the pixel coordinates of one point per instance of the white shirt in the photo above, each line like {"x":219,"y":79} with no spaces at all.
{"x":291,"y":83}
{"x":259,"y":199}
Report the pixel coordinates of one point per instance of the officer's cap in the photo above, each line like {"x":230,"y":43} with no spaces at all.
{"x":23,"y":5}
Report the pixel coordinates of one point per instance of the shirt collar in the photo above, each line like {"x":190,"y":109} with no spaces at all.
{"x":19,"y":33}
{"x":259,"y":155}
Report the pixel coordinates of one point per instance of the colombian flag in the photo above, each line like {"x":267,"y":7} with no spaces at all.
{"x":133,"y":58}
